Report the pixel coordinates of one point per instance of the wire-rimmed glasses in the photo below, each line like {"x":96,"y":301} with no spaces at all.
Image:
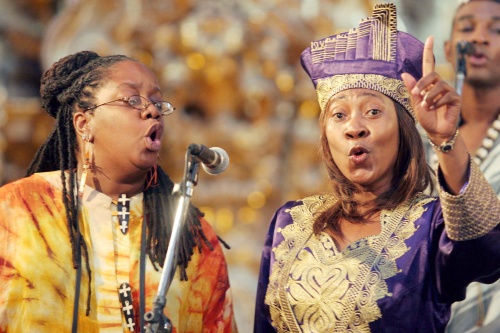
{"x":142,"y":103}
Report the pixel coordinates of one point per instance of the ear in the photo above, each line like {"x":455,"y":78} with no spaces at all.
{"x":448,"y":52}
{"x":81,"y":122}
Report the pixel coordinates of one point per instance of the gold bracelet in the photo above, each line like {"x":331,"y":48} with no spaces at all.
{"x":445,"y":146}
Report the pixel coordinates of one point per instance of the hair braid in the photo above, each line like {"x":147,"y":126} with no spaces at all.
{"x":159,"y":206}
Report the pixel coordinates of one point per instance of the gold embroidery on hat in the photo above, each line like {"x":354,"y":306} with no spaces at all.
{"x":385,"y":32}
{"x":393,"y":88}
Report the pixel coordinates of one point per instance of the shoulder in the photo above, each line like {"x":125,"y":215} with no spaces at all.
{"x":299,"y":215}
{"x":307,"y":206}
{"x":33,"y":194}
{"x":31,"y":184}
{"x":209,"y":231}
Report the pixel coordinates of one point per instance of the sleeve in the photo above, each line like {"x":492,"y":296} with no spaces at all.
{"x":7,"y":269}
{"x":262,"y":321}
{"x":474,"y":212}
{"x":212,"y":271}
{"x":468,"y":249}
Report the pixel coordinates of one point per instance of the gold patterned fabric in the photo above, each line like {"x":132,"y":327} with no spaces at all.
{"x":402,"y":280}
{"x":37,"y":277}
{"x":462,"y":211}
{"x":394,"y":88}
{"x":314,"y":287}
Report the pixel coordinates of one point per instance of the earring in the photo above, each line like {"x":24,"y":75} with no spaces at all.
{"x":89,"y":150}
{"x":152,"y":177}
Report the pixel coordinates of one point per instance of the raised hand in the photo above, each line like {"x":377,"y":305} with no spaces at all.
{"x":436,"y":104}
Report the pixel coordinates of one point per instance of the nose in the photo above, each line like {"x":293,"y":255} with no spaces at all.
{"x":480,"y":36}
{"x":151,"y":111}
{"x":356,"y":129}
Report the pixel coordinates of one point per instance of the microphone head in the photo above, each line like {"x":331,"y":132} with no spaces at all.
{"x":219,"y":167}
{"x":464,"y":47}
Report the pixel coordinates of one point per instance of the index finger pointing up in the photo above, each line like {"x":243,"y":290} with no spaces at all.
{"x":428,"y":57}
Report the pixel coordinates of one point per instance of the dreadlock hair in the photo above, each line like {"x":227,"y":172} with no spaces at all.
{"x":72,"y":82}
{"x":411,"y":175}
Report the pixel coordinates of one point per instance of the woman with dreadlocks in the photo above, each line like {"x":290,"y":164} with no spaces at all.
{"x":75,"y":233}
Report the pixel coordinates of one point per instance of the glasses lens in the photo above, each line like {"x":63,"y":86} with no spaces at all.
{"x":165,"y":108}
{"x":137,"y":102}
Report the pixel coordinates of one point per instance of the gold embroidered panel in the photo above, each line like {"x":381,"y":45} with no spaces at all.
{"x":314,"y":287}
{"x":393,"y":88}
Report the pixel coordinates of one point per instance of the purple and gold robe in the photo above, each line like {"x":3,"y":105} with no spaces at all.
{"x":401,"y":280}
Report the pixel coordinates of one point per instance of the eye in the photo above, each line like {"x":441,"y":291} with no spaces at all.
{"x":158,"y":106}
{"x":373,"y":112}
{"x":466,"y":29}
{"x":495,"y":28}
{"x":135,"y":101}
{"x":338,"y":115}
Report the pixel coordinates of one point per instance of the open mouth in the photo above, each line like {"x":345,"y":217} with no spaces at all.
{"x":153,"y":138}
{"x":357,"y":151}
{"x":477,"y":59}
{"x":358,"y":155}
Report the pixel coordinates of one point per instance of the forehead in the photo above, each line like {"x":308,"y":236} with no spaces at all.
{"x":131,"y":72}
{"x":478,"y":9}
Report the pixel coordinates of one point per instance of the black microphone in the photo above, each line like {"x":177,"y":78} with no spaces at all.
{"x":463,"y":48}
{"x":214,"y":160}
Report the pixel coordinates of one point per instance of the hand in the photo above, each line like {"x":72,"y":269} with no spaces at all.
{"x":436,"y":104}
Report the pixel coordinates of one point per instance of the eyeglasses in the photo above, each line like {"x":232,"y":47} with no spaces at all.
{"x":142,"y":103}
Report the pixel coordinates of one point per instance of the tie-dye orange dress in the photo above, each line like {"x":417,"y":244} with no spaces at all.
{"x":37,"y":278}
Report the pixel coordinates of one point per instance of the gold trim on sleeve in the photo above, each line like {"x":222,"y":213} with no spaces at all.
{"x":473,"y":213}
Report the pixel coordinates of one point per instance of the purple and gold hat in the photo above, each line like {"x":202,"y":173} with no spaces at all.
{"x":371,"y":56}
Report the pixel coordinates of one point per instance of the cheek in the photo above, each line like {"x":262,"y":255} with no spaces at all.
{"x":334,"y":138}
{"x":390,"y":142}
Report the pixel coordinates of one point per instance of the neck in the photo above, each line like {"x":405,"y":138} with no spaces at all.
{"x":365,"y":200}
{"x":113,"y":184}
{"x":480,"y":105}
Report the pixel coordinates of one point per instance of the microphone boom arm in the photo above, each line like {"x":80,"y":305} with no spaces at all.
{"x":156,"y":319}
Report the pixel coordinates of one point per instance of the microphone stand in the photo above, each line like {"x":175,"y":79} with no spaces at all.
{"x":156,"y":320}
{"x":463,"y":48}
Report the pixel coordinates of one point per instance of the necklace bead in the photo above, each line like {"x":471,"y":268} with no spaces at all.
{"x":496,"y":124}
{"x":488,"y":143}
{"x":492,"y":133}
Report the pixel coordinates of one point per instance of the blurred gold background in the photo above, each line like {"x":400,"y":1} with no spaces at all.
{"x":232,"y":70}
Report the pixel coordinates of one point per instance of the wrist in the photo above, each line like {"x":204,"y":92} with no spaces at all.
{"x":444,"y":146}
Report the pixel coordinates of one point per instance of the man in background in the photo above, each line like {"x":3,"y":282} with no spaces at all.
{"x":477,"y":22}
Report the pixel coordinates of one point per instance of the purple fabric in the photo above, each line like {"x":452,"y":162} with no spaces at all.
{"x":434,"y":273}
{"x":409,"y":52}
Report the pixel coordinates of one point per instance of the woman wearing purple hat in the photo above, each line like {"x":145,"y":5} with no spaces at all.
{"x":377,"y":254}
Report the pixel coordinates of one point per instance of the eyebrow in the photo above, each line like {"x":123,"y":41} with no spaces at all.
{"x":363,"y":94}
{"x":470,"y":16}
{"x":136,"y":86}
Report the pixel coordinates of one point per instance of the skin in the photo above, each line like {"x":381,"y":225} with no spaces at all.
{"x":120,"y":136}
{"x":362,"y":133}
{"x":478,"y":22}
{"x":437,"y":107}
